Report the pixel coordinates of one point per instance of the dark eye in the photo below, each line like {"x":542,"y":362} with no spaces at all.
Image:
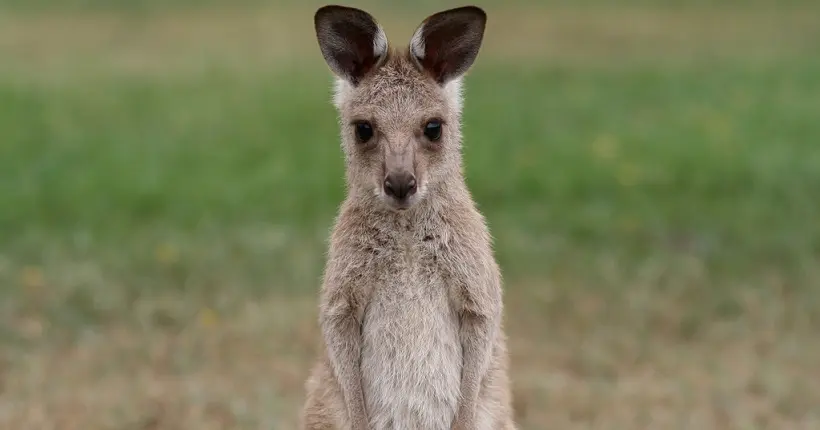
{"x":364,"y":131}
{"x":433,"y":130}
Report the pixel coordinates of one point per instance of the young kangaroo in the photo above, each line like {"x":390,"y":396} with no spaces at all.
{"x":411,"y":301}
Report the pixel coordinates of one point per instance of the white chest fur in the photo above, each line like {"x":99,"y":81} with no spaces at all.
{"x":411,"y":356}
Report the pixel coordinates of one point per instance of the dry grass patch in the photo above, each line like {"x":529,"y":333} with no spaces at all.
{"x":215,"y":373}
{"x":650,"y":360}
{"x":580,"y":358}
{"x":60,"y":44}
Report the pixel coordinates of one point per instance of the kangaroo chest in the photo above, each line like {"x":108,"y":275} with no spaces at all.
{"x":411,"y":355}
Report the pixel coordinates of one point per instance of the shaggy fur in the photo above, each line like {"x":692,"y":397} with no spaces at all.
{"x":411,"y":301}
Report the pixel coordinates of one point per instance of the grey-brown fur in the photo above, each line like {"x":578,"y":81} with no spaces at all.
{"x":411,"y":303}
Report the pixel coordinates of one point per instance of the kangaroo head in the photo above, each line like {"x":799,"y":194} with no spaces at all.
{"x":399,"y":110}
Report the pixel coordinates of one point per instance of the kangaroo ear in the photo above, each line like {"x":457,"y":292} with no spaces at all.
{"x":351,"y":40}
{"x":446,"y":44}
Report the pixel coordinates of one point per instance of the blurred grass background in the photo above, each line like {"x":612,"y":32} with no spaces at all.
{"x":169,"y":171}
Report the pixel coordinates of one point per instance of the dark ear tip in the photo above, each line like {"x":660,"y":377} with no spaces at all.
{"x":326,"y":10}
{"x":470,"y":10}
{"x":321,"y":13}
{"x":476,"y":10}
{"x":334,"y":9}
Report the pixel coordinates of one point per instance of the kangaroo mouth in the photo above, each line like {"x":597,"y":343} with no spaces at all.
{"x":400,"y":204}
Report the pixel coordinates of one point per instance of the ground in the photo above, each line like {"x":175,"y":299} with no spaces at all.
{"x":169,"y":172}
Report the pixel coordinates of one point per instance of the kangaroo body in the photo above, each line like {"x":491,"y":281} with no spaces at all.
{"x":411,"y":301}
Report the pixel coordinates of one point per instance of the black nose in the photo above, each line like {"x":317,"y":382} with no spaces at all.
{"x":400,"y":185}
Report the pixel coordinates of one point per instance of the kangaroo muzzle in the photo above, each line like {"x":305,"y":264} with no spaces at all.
{"x":400,"y":182}
{"x":400,"y":185}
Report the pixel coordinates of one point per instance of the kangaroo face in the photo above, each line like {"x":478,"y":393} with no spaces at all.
{"x":399,"y":109}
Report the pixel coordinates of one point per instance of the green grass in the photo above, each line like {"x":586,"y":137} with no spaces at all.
{"x":655,"y":215}
{"x":721,"y":164}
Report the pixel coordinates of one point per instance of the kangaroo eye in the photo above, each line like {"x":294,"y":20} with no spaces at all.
{"x":364,"y":131}
{"x":433,"y":130}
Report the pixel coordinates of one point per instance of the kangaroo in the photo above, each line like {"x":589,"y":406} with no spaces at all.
{"x":411,"y":302}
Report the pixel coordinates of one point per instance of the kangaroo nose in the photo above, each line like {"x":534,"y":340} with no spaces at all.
{"x":400,"y":185}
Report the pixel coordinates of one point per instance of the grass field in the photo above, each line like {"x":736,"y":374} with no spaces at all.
{"x":650,"y":170}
